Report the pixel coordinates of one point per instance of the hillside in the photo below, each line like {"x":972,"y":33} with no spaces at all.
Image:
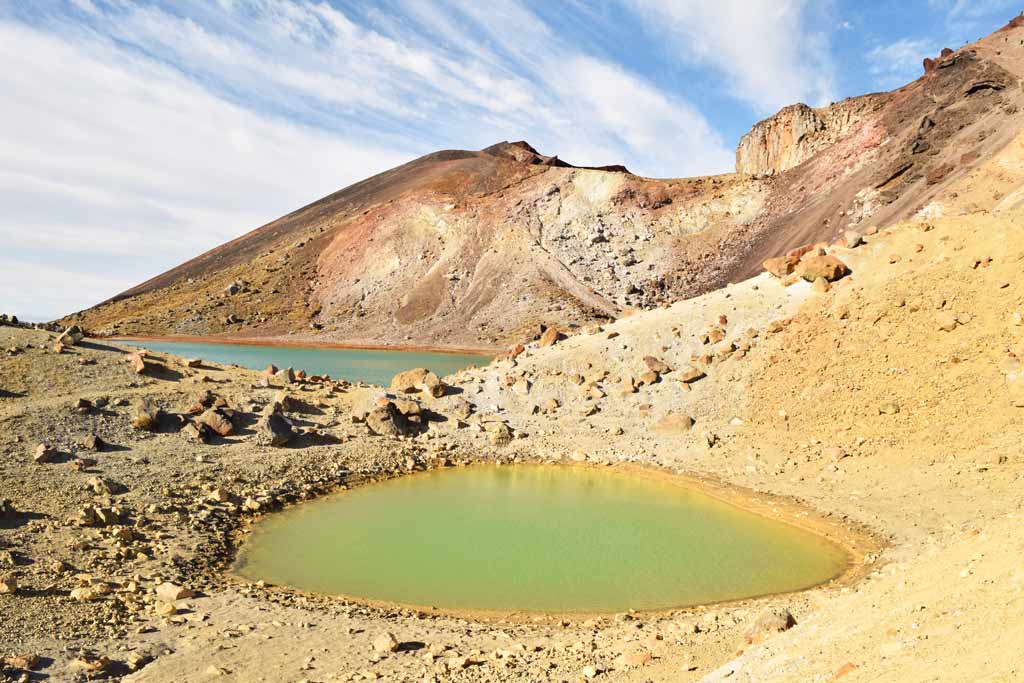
{"x":481,"y":248}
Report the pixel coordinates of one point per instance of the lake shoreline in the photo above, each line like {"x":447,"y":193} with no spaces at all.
{"x":306,"y":344}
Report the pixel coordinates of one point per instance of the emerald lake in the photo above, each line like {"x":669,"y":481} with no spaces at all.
{"x":372,"y":366}
{"x":534,"y":538}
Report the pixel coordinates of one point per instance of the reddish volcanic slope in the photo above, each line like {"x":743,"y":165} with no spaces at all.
{"x":482,"y":248}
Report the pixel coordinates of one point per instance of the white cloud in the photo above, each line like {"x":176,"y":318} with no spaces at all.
{"x":768,"y":51}
{"x":115,"y":164}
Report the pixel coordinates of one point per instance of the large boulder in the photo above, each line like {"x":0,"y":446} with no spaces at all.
{"x":550,"y":336}
{"x":138,"y":362}
{"x":388,"y":420}
{"x":218,"y":421}
{"x":824,"y":266}
{"x":71,"y":336}
{"x":418,"y":379}
{"x":275,"y":430}
{"x":781,"y":266}
{"x":146,"y":416}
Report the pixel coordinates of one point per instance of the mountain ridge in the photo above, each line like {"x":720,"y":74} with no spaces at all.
{"x":482,"y":248}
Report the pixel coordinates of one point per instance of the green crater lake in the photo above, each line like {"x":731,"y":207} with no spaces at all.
{"x":372,"y":366}
{"x":534,"y":538}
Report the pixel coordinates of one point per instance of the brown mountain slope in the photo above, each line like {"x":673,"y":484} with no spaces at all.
{"x":479,"y":248}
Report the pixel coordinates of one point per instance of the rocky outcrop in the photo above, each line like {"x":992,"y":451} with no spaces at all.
{"x":798,"y":132}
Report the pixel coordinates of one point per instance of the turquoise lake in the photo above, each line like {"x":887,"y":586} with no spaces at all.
{"x":375,"y":367}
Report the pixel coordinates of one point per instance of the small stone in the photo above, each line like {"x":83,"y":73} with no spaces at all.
{"x":834,"y":453}
{"x":888,"y":408}
{"x":94,"y":443}
{"x":689,"y":374}
{"x":165,"y":609}
{"x":633,"y":660}
{"x":674,"y":424}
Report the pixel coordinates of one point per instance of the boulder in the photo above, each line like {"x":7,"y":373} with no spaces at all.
{"x":171,"y":593}
{"x":781,"y":266}
{"x":418,"y":379}
{"x":385,"y":643}
{"x":8,"y":584}
{"x":138,"y":362}
{"x":550,"y":336}
{"x":673,"y":424}
{"x":91,"y":666}
{"x":461,"y":408}
{"x":146,"y":417}
{"x":45,"y":453}
{"x":656,"y":365}
{"x":826,"y":266}
{"x":946,"y":321}
{"x":853,"y":239}
{"x":203,"y":400}
{"x":26,"y":661}
{"x":388,"y":420}
{"x":71,"y":336}
{"x":770,"y":621}
{"x":498,"y":433}
{"x":218,"y":421}
{"x":274,"y":429}
{"x":197,"y":431}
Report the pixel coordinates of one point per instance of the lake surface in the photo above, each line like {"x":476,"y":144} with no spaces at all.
{"x":375,"y":367}
{"x":534,"y":538}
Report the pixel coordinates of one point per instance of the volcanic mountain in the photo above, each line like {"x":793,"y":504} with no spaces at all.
{"x":481,"y":248}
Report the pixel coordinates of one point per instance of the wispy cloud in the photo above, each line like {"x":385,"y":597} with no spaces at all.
{"x":770,"y":51}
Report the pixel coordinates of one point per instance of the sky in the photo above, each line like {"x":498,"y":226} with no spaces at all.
{"x":136,"y":134}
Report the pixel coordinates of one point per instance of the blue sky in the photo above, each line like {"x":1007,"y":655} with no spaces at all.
{"x":135,"y":134}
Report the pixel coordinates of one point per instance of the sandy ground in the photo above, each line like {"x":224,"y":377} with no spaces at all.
{"x":885,"y":405}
